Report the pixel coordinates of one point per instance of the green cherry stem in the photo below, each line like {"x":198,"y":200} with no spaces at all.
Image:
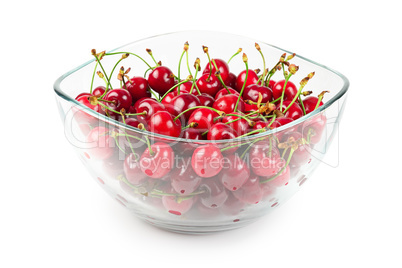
{"x":114,"y":67}
{"x":197,"y":107}
{"x":127,"y":138}
{"x":209,"y":61}
{"x":197,"y":68}
{"x":149,"y":146}
{"x":253,"y":132}
{"x":302,"y":105}
{"x":172,"y":88}
{"x":245,"y":60}
{"x":93,"y":77}
{"x":188,"y":65}
{"x":115,"y":53}
{"x":238,"y":51}
{"x":282,"y":170}
{"x":104,"y":72}
{"x":257,"y":46}
{"x":179,"y":68}
{"x":149,"y":51}
{"x":320,"y":96}
{"x":220,"y":77}
{"x":283,"y":90}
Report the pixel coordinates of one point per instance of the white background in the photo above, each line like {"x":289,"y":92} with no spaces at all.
{"x":54,"y":215}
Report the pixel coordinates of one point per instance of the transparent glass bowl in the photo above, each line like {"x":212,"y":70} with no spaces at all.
{"x":208,"y":204}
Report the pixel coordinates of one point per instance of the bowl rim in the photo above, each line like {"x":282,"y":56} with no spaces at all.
{"x":327,"y":104}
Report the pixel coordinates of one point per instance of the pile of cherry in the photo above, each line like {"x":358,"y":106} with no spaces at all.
{"x":208,"y":178}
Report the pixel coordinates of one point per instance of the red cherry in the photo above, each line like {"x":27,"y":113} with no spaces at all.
{"x":250,"y":192}
{"x":215,"y":193}
{"x":232,"y":205}
{"x":159,"y":162}
{"x":176,"y":207}
{"x":209,"y":85}
{"x":271,"y":84}
{"x":310,"y":103}
{"x":83,"y":117}
{"x":252,"y":92}
{"x":302,"y":154}
{"x":206,"y":100}
{"x":163,"y":123}
{"x":203,"y":117}
{"x":98,"y":91}
{"x":138,"y":88}
{"x":265,"y":159}
{"x":183,"y":178}
{"x":281,"y":121}
{"x":240,"y":126}
{"x":290,"y":91}
{"x":181,"y":103}
{"x":252,"y":78}
{"x":101,"y":143}
{"x":168,"y":98}
{"x":132,"y":170}
{"x":313,"y":128}
{"x":221,"y":131}
{"x":161,"y":79}
{"x":185,"y":87}
{"x":227,"y":104}
{"x":223,"y":68}
{"x":294,"y":112}
{"x":187,"y":148}
{"x":281,"y":180}
{"x":206,"y":160}
{"x":234,"y":173}
{"x":231,"y":80}
{"x":131,"y":121}
{"x":118,"y":99}
{"x":148,"y":105}
{"x":224,"y":92}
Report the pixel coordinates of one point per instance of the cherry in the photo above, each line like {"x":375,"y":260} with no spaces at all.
{"x":168,"y":98}
{"x":294,"y":111}
{"x":232,"y":205}
{"x":117,"y":99}
{"x":227,"y":104}
{"x":231,"y":80}
{"x":138,"y":88}
{"x":310,"y":103}
{"x":82,"y":116}
{"x":148,"y":105}
{"x":181,"y":103}
{"x":185,"y":148}
{"x":223,"y":68}
{"x":313,"y":128}
{"x":209,"y":84}
{"x":281,"y":121}
{"x":271,"y":84}
{"x":203,"y":117}
{"x":177,"y":206}
{"x":161,"y":79}
{"x":186,"y":88}
{"x":98,"y":91}
{"x":206,"y":99}
{"x":132,"y":170}
{"x":252,"y":78}
{"x":234,"y":173}
{"x":250,"y":192}
{"x":157,"y":162}
{"x":101,"y":143}
{"x":300,"y":156}
{"x":281,"y":180}
{"x":290,"y":91}
{"x":163,"y":123}
{"x":265,"y":159}
{"x":206,"y":160}
{"x":183,"y":178}
{"x":252,"y":92}
{"x":250,"y":107}
{"x":221,"y":131}
{"x":241,"y":126}
{"x":215,"y":193}
{"x":224,"y":92}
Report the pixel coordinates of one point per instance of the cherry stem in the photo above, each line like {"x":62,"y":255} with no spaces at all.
{"x":145,"y":74}
{"x":302,"y":105}
{"x":197,"y":107}
{"x":181,"y":57}
{"x":114,"y":67}
{"x":128,"y":140}
{"x":263,"y":60}
{"x":149,"y":146}
{"x":242,"y":88}
{"x":115,"y":53}
{"x":170,"y":89}
{"x":220,"y":77}
{"x":319,"y":100}
{"x":283,"y":90}
{"x":107,"y":78}
{"x":249,"y":147}
{"x":188,"y":65}
{"x":152,"y":56}
{"x":239,"y":118}
{"x":131,"y":136}
{"x":110,"y":109}
{"x":210,"y":64}
{"x":282,"y":170}
{"x":194,"y":81}
{"x":143,"y":113}
{"x":238,"y":52}
{"x":93,"y":77}
{"x":253,"y":132}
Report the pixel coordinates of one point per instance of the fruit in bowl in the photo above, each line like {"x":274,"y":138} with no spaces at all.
{"x":200,"y":147}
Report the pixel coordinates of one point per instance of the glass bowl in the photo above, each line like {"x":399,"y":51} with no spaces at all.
{"x":199,"y":186}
